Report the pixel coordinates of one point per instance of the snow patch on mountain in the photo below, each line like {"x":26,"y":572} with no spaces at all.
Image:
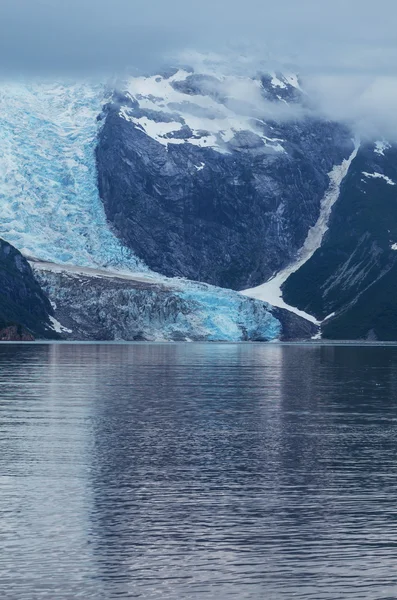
{"x":49,"y":202}
{"x":379,"y":176}
{"x":381,"y":147}
{"x":284,"y":80}
{"x":201,"y":110}
{"x":271,"y":290}
{"x":56,"y":326}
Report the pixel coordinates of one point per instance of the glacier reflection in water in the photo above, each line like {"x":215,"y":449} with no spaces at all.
{"x":198,"y":471}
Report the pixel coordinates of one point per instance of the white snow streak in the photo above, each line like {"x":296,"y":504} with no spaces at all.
{"x":56,"y":326}
{"x":381,"y":146}
{"x":271,"y":290}
{"x":329,"y":316}
{"x":379,"y":176}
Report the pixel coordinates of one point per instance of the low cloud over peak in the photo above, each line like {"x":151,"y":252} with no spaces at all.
{"x":345,"y":52}
{"x":319,"y":35}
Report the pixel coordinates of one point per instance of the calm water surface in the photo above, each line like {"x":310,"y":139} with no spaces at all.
{"x":198,"y":471}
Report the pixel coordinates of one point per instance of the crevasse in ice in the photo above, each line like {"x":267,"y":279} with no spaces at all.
{"x":222,"y":314}
{"x":49,"y":202}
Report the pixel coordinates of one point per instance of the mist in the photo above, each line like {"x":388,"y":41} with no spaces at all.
{"x":319,"y":35}
{"x":345,"y":52}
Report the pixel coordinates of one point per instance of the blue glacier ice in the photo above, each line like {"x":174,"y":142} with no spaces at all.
{"x":49,"y":202}
{"x":122,"y":308}
{"x":222,"y":314}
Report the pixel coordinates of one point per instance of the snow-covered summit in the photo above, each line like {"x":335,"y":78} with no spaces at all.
{"x":215,"y":176}
{"x":209,"y":110}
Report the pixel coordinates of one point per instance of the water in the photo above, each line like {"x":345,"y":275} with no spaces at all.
{"x":198,"y":471}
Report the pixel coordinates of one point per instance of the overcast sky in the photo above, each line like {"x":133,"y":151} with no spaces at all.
{"x":346,"y":48}
{"x":320,"y":35}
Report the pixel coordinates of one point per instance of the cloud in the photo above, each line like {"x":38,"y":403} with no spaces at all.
{"x":317,"y":35}
{"x":345,"y":50}
{"x":365,"y":102}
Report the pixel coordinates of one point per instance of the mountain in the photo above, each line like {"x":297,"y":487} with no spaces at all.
{"x":198,"y":184}
{"x":147,"y":206}
{"x":351,"y":278}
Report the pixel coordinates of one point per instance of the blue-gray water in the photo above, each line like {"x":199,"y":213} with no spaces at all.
{"x":198,"y":471}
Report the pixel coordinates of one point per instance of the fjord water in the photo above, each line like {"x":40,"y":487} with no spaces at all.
{"x":198,"y":471}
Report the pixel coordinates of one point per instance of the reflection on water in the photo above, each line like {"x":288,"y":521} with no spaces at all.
{"x":198,"y":471}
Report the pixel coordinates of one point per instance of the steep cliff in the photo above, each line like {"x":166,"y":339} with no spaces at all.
{"x":200,"y":182}
{"x":351,"y":279}
{"x":25,"y":311}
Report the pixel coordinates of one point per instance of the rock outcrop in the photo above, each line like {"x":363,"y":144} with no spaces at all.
{"x":25,"y":311}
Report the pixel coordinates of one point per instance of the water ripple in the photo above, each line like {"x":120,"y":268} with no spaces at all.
{"x":198,"y":471}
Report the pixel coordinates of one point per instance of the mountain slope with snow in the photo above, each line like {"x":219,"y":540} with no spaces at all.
{"x":50,"y":210}
{"x":219,"y":181}
{"x":215,"y":178}
{"x":272,"y":291}
{"x":351,"y":278}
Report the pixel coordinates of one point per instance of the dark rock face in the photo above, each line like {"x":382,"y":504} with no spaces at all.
{"x":15,"y":333}
{"x":354,"y":273}
{"x":294,"y":328}
{"x":230,"y":216}
{"x":24,"y":308}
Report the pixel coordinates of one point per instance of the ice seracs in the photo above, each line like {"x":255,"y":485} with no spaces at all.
{"x":153,"y":307}
{"x":49,"y":202}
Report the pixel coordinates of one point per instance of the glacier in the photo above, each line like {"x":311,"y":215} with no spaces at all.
{"x":222,"y":314}
{"x":49,"y":202}
{"x":105,"y":305}
{"x":51,"y":211}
